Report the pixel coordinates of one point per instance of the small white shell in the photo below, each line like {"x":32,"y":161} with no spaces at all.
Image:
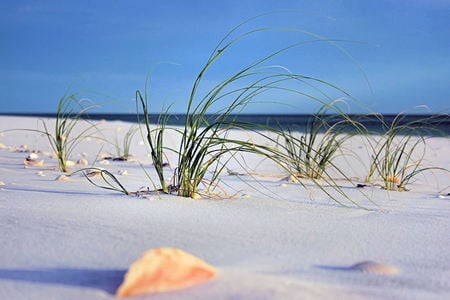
{"x":283,"y":185}
{"x":2,"y":183}
{"x":123,"y":172}
{"x":33,"y":156}
{"x":40,"y":173}
{"x":70,"y":163}
{"x":82,"y":162}
{"x":375,"y":268}
{"x":62,"y":177}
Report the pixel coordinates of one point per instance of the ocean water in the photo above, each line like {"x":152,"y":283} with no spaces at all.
{"x":435,"y":125}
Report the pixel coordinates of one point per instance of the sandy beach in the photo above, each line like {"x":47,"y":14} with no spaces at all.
{"x":268,"y":238}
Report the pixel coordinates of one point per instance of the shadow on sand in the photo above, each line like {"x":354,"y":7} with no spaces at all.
{"x":103,"y":279}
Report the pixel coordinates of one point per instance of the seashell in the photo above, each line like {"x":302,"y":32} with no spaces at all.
{"x":123,"y":172}
{"x":3,"y":146}
{"x":62,"y":177}
{"x":283,"y":185}
{"x":375,"y":268}
{"x":104,"y":162}
{"x":33,"y":156}
{"x":2,"y":183}
{"x":32,"y":162}
{"x":162,"y":270}
{"x":82,"y":162}
{"x":70,"y":163}
{"x":40,"y":173}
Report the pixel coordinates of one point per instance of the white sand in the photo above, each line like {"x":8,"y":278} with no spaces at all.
{"x":71,"y":240}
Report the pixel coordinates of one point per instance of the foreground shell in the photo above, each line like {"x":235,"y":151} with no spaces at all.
{"x":162,"y":270}
{"x":375,"y":268}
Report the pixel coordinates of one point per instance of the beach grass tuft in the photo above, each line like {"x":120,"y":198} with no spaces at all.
{"x":63,"y":140}
{"x":123,"y":148}
{"x":312,"y":152}
{"x":206,"y":144}
{"x":397,"y":157}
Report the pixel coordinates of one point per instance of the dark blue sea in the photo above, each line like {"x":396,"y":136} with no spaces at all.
{"x":436,"y":125}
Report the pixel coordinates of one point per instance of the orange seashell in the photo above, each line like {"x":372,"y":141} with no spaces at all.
{"x":375,"y":268}
{"x":162,"y":270}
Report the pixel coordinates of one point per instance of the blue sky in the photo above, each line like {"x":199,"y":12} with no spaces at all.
{"x":400,"y":51}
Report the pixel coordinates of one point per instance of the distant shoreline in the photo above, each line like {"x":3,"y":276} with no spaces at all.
{"x":296,"y":121}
